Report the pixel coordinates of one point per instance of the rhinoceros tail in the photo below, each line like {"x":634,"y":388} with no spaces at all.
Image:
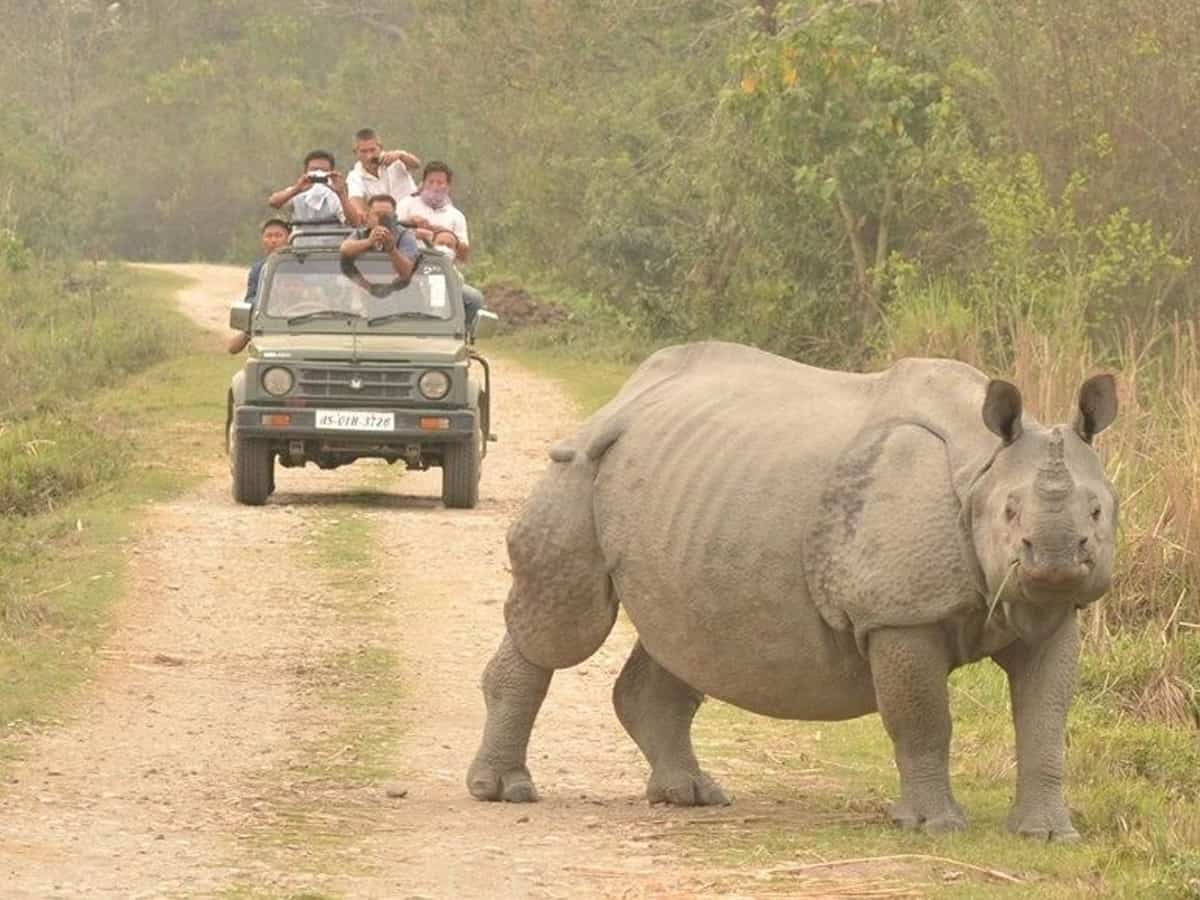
{"x":562,"y":452}
{"x":606,"y":436}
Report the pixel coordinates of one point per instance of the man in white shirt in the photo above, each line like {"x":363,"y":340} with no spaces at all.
{"x":432,"y":215}
{"x":440,"y":224}
{"x":319,"y":194}
{"x":378,"y":172}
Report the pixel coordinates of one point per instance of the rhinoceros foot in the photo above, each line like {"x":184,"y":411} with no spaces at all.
{"x":680,"y":787}
{"x":940,"y":819}
{"x":1043,"y":824}
{"x":512,"y":785}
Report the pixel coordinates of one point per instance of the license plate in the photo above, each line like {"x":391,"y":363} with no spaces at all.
{"x":355,"y":420}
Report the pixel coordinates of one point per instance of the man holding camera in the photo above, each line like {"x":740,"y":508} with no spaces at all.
{"x":382,"y":233}
{"x":378,"y":172}
{"x":319,"y":194}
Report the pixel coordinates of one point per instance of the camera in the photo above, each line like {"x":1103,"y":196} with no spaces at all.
{"x":388,"y":221}
{"x":318,"y":176}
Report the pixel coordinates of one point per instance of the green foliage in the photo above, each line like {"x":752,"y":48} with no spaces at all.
{"x":842,"y":101}
{"x":44,"y":461}
{"x":66,"y":331}
{"x":64,"y":334}
{"x":14,"y":253}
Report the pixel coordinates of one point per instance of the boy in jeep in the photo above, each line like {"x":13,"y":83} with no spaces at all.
{"x":274,"y":235}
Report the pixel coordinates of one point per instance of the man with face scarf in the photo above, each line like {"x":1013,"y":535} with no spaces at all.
{"x":319,"y":194}
{"x":432,"y":215}
{"x":435,"y":220}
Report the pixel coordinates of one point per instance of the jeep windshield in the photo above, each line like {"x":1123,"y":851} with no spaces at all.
{"x":315,"y":288}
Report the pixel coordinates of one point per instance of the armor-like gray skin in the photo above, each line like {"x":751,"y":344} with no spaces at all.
{"x":810,"y":544}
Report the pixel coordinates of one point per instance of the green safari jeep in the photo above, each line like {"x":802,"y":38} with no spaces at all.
{"x":348,"y":362}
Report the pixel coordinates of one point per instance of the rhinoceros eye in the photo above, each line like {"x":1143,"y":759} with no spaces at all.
{"x":1096,"y":511}
{"x":1011,"y":510}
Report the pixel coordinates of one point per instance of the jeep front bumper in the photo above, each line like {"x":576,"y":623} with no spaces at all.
{"x":409,"y":426}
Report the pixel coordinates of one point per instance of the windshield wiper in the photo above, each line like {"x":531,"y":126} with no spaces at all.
{"x":323,"y":314}
{"x":411,"y":314}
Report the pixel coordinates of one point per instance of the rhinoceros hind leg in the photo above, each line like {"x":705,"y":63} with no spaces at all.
{"x":513,"y":689}
{"x":656,"y":709}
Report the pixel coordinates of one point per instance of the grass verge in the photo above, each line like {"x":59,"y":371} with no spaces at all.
{"x":590,"y":383}
{"x":61,"y":569}
{"x":822,"y":792}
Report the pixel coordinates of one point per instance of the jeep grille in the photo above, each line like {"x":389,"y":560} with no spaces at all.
{"x":377,"y":384}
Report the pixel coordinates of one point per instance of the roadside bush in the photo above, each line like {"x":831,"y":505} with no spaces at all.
{"x":45,"y":460}
{"x":66,"y":332}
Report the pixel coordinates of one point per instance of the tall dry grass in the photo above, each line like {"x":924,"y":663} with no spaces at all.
{"x":1151,"y":452}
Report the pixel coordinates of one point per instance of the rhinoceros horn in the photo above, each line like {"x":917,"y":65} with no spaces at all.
{"x":1053,"y":481}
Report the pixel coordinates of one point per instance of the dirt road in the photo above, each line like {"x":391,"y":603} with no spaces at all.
{"x":218,"y":751}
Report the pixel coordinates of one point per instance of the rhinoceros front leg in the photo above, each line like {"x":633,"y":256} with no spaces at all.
{"x":1041,"y":680}
{"x":909,"y":668}
{"x":513,"y":689}
{"x":656,"y":709}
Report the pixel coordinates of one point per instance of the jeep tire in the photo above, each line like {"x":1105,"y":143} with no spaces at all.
{"x":253,"y":467}
{"x":460,"y":473}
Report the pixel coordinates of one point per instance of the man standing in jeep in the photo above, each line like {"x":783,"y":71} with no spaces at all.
{"x":319,"y":194}
{"x":378,"y":172}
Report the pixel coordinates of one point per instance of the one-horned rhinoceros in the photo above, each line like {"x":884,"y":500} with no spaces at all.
{"x":810,"y":544}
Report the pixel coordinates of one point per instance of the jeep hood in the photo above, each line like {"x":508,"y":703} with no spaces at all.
{"x":414,"y":348}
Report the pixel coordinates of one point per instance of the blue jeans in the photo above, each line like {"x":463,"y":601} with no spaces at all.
{"x":472,"y":302}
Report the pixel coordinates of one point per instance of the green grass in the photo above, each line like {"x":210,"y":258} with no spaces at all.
{"x":247,"y":891}
{"x":1132,"y":787}
{"x":61,"y":569}
{"x":589,"y":383}
{"x":66,"y":334}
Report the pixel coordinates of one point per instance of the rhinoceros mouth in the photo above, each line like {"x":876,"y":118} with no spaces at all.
{"x":1066,"y":581}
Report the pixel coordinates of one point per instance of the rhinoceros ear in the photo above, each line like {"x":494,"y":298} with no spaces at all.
{"x":1002,"y":410}
{"x":1097,"y":406}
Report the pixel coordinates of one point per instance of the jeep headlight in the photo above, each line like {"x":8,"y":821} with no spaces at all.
{"x":434,"y":385}
{"x":277,"y":381}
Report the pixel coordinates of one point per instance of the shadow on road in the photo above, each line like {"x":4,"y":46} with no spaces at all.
{"x":366,"y":499}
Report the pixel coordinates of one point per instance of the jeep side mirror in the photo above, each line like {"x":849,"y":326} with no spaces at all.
{"x":239,"y":316}
{"x":486,"y":323}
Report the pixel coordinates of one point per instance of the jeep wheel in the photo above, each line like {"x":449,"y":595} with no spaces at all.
{"x":460,"y":474}
{"x":253,"y":468}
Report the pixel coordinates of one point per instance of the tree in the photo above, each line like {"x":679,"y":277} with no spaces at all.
{"x":841,"y":101}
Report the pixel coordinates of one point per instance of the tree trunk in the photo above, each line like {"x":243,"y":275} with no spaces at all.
{"x":767,"y":19}
{"x":867,"y":307}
